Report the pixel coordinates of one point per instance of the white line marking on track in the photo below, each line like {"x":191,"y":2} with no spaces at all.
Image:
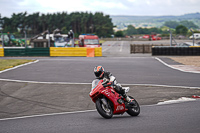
{"x":32,"y":116}
{"x":84,"y":111}
{"x":122,"y":43}
{"x":182,"y":99}
{"x":72,"y":83}
{"x":38,"y":82}
{"x":170,"y":86}
{"x":19,"y":66}
{"x":174,"y":67}
{"x":108,"y":47}
{"x":178,"y":101}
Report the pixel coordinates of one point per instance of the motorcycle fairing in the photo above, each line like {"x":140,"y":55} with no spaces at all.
{"x":109,"y":93}
{"x":113,"y":97}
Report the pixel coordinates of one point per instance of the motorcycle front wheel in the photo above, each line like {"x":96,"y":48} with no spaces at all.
{"x":104,"y":111}
{"x":134,"y":110}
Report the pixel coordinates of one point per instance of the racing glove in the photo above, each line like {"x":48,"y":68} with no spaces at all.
{"x":107,"y":84}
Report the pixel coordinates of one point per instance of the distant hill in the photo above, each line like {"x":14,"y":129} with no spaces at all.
{"x":152,"y":21}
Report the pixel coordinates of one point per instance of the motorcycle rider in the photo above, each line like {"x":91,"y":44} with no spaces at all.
{"x":110,"y":80}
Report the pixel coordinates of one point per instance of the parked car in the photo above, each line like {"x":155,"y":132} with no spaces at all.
{"x":187,"y":44}
{"x":196,"y":36}
{"x":152,"y":37}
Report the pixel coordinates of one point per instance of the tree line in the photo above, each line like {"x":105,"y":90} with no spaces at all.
{"x":80,"y":22}
{"x":179,"y":28}
{"x":187,"y":24}
{"x":131,"y":30}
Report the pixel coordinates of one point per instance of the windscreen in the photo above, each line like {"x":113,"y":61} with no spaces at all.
{"x":59,"y":39}
{"x":95,"y":83}
{"x":91,"y":41}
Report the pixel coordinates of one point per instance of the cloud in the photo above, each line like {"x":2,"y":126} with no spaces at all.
{"x":105,"y":4}
{"x":111,"y":7}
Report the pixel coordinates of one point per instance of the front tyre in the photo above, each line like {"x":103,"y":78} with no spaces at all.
{"x":134,"y":110}
{"x":104,"y":111}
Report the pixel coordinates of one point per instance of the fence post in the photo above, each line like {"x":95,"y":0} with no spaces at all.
{"x":143,"y":48}
{"x":130,"y":48}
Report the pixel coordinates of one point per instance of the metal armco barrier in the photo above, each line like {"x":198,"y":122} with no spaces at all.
{"x":1,"y":52}
{"x":181,"y":51}
{"x":26,"y":51}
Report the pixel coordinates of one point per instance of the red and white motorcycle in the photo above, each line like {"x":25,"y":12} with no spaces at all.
{"x":109,"y":102}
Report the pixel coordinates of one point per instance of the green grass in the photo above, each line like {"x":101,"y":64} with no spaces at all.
{"x":9,"y":63}
{"x":101,"y":41}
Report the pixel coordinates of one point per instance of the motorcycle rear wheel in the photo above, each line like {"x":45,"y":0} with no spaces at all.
{"x":104,"y":111}
{"x":134,"y":110}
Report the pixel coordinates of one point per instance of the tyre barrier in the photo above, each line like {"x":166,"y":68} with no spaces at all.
{"x":180,"y":51}
{"x":143,"y":48}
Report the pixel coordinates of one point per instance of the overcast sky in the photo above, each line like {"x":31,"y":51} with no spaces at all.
{"x":110,"y":7}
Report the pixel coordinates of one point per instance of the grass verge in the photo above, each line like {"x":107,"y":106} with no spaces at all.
{"x":102,"y":41}
{"x":9,"y":63}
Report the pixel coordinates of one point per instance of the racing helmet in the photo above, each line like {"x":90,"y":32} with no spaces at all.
{"x":99,"y":71}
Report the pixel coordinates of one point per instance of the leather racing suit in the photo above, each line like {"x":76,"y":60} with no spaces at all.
{"x":109,"y":79}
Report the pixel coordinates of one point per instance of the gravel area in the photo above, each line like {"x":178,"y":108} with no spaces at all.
{"x":188,"y":60}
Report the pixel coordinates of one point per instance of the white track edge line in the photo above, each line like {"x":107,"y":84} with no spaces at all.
{"x":52,"y":114}
{"x":18,"y":66}
{"x":174,"y":67}
{"x":74,"y":112}
{"x":108,"y":47}
{"x":37,"y":82}
{"x":157,"y":104}
{"x":171,"y":86}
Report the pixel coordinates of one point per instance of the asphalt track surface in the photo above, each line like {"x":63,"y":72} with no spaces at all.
{"x":129,"y":69}
{"x":174,"y":118}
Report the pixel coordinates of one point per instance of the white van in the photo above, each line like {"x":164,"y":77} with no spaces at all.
{"x":196,"y":36}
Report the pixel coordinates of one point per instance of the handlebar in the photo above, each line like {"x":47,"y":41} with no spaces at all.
{"x":105,"y":84}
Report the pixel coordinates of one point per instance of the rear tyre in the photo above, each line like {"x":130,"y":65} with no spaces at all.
{"x":134,"y":110}
{"x":104,"y":111}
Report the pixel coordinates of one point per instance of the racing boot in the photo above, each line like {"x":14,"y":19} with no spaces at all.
{"x":121,"y":91}
{"x":128,"y":99}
